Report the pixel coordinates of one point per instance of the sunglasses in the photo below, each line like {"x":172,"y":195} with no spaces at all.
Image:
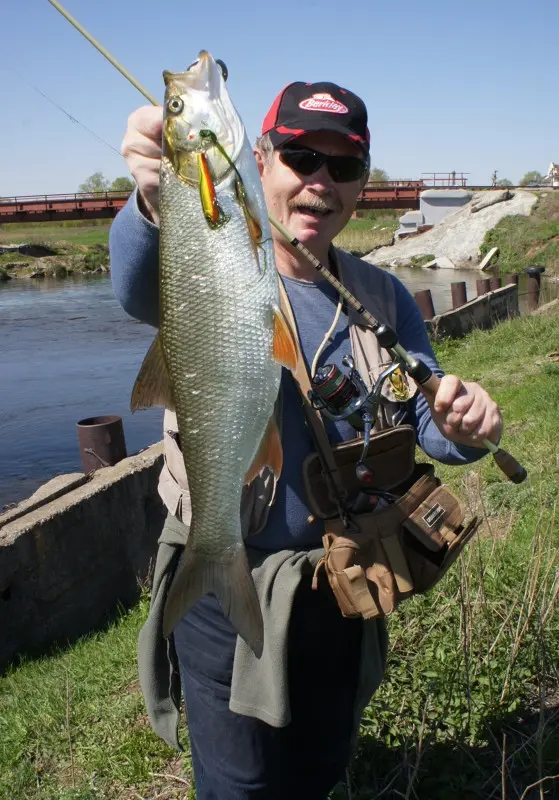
{"x":342,"y":169}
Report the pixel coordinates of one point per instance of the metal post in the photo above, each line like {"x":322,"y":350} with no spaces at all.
{"x":482,"y":286}
{"x":495,"y":283}
{"x":425,"y":302}
{"x":101,"y":441}
{"x":534,"y":285}
{"x":459,"y":294}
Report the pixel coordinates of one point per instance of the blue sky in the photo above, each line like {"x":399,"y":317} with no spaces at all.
{"x":470,"y":86}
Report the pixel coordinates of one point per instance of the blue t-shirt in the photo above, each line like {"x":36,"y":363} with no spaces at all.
{"x":134,"y":247}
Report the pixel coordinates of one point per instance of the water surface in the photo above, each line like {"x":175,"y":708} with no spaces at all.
{"x":68,"y":352}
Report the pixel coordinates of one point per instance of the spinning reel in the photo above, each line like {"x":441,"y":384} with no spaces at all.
{"x":343,"y":395}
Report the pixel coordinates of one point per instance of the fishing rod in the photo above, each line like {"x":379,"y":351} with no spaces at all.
{"x":421,"y":373}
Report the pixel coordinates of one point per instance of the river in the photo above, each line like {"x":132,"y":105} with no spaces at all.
{"x":69,"y":352}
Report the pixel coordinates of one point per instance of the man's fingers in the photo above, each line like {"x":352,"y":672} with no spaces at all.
{"x":147,"y":121}
{"x":449,"y":388}
{"x":140,"y":146}
{"x":143,"y":134}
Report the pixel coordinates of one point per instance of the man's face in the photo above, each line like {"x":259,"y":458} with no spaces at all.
{"x":312,"y":207}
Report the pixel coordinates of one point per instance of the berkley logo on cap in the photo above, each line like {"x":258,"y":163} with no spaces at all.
{"x":322,"y":101}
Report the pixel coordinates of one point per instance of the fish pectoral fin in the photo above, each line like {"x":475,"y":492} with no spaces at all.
{"x":232,"y":585}
{"x":152,"y":386}
{"x":284,"y":347}
{"x":269,"y":453}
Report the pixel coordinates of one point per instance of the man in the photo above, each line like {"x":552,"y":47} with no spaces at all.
{"x":313,"y":158}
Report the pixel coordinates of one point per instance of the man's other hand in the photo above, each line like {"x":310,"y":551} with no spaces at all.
{"x":141,"y":147}
{"x":465,"y":413}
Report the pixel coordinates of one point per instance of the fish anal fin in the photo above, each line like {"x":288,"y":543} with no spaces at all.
{"x":269,"y":453}
{"x":152,"y":386}
{"x":232,"y":585}
{"x":284,"y":346}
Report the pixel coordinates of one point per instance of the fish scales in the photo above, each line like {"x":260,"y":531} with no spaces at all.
{"x":216,"y":328}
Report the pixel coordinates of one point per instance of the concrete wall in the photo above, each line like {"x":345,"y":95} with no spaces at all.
{"x":68,"y":557}
{"x":436,"y":204}
{"x":483,"y":312}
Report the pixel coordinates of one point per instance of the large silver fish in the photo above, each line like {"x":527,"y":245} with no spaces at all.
{"x":222,"y":338}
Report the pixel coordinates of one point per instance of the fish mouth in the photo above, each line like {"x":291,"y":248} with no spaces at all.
{"x":198,"y":114}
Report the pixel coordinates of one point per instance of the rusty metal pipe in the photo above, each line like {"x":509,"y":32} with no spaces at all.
{"x":101,"y":442}
{"x":424,"y":300}
{"x":534,"y":285}
{"x":495,"y":283}
{"x":458,"y":293}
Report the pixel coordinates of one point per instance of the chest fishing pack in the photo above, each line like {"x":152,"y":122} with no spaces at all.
{"x":391,"y":529}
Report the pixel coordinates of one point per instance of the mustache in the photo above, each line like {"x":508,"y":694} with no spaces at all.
{"x":319,"y":203}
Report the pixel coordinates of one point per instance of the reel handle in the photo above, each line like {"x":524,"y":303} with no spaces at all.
{"x":514,"y":471}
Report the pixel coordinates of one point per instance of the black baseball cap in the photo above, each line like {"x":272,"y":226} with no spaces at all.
{"x":304,"y":107}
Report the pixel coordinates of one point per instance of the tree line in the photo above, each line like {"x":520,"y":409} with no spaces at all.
{"x":98,"y":183}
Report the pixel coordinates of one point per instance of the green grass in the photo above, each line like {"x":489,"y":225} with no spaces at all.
{"x":73,"y":726}
{"x":470,"y":700}
{"x":360,"y":236}
{"x":89,"y":232}
{"x":528,"y":240}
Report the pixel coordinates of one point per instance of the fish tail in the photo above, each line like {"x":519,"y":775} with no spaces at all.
{"x":232,"y":585}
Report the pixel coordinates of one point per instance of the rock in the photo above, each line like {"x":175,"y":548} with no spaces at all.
{"x":28,"y":249}
{"x":443,"y":262}
{"x":496,"y":197}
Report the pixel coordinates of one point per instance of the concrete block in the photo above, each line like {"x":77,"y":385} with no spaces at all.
{"x":437,"y":204}
{"x":489,"y":258}
{"x":66,"y":564}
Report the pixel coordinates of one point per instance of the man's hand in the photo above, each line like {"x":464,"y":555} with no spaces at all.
{"x":465,"y":413}
{"x":141,"y":147}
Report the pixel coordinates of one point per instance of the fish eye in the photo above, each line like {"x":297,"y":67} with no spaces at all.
{"x":175,"y":105}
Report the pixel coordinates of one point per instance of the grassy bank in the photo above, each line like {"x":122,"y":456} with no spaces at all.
{"x":360,"y":236}
{"x":469,"y":705}
{"x":88,"y":232}
{"x":528,"y":240}
{"x":55,"y":259}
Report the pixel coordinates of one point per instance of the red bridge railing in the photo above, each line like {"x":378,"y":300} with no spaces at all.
{"x":98,"y":205}
{"x":52,"y":207}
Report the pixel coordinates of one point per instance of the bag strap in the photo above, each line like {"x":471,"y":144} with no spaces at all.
{"x":314,"y":418}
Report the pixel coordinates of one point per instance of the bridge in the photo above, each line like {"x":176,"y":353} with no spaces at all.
{"x":402,"y":194}
{"x":106,"y":205}
{"x":59,"y":207}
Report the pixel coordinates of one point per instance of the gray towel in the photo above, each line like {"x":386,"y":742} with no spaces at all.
{"x":259,"y":686}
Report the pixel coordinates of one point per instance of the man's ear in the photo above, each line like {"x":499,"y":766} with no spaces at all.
{"x":259,"y":161}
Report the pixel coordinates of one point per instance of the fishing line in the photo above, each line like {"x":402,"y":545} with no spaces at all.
{"x":59,"y":107}
{"x":386,"y":336}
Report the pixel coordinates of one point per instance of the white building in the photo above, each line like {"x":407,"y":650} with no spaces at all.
{"x":552,"y":177}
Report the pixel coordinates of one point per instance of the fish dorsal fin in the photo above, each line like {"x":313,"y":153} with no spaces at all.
{"x":269,"y":453}
{"x":284,"y":347}
{"x":152,"y":386}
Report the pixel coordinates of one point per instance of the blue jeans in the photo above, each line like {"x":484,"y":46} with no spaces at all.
{"x":241,"y":758}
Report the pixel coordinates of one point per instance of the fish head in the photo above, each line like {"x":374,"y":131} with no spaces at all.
{"x":198,"y":112}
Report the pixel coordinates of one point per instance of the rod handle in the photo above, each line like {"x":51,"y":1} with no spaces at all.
{"x":508,"y":464}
